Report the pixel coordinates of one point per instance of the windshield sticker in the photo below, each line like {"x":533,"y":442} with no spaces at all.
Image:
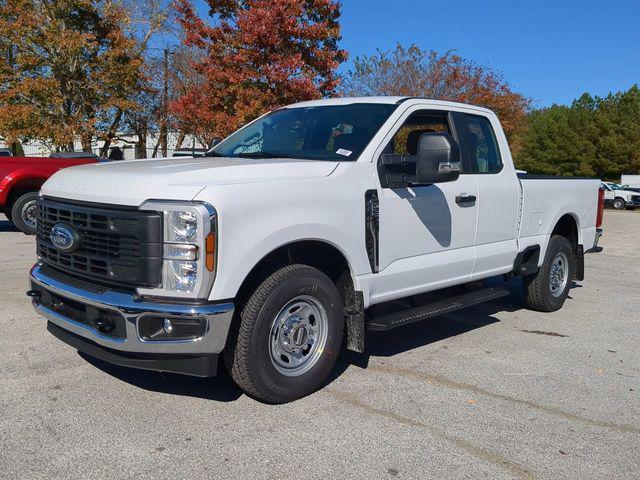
{"x":342,"y":151}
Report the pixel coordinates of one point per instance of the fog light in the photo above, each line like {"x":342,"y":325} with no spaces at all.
{"x":155,"y":328}
{"x":167,"y":326}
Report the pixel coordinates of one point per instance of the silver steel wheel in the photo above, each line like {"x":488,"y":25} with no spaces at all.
{"x":559,"y":274}
{"x":298,"y":336}
{"x":28,"y":214}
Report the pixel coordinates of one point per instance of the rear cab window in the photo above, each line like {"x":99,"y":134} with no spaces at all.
{"x":478,"y":143}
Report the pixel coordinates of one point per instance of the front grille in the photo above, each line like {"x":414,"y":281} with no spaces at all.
{"x":121,"y":247}
{"x":635,"y":198}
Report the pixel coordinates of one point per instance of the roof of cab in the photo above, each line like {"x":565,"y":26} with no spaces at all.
{"x":347,"y":101}
{"x":384,"y":100}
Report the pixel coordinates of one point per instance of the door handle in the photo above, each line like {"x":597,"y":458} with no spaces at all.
{"x":464,"y":199}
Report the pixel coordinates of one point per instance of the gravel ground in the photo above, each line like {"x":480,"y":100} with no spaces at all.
{"x":491,"y":392}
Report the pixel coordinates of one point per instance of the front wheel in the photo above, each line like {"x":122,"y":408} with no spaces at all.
{"x":23,"y":213}
{"x":547,"y":290}
{"x":618,"y":204}
{"x":288,"y":335}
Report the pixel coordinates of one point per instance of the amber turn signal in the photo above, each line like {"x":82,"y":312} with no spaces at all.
{"x":210,"y":252}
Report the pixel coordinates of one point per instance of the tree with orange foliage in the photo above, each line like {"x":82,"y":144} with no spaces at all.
{"x":426,"y":73}
{"x":68,"y":70}
{"x":259,"y":55}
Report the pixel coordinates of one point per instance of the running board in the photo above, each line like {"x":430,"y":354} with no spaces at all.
{"x":440,"y":307}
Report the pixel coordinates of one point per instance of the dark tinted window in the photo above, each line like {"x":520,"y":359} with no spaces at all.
{"x":405,"y":140}
{"x":479,"y":144}
{"x":332,"y":132}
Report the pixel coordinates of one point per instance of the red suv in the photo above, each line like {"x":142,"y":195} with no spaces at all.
{"x":21,"y":179}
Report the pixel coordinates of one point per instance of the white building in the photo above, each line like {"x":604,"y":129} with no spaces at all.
{"x":126,"y":143}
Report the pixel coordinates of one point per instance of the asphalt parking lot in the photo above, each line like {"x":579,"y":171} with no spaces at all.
{"x":491,"y":392}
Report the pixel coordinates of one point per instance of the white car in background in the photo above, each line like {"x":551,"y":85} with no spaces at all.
{"x":619,"y":198}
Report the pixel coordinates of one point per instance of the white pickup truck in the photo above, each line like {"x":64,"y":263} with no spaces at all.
{"x":296,"y":234}
{"x":620,"y":197}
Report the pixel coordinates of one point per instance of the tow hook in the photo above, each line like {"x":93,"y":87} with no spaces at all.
{"x":33,"y":294}
{"x":104,"y":326}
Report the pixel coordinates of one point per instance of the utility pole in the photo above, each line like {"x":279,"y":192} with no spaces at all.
{"x":16,"y":148}
{"x":165,"y":102}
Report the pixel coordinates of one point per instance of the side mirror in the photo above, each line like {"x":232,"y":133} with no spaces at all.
{"x":214,"y":142}
{"x":438,"y":158}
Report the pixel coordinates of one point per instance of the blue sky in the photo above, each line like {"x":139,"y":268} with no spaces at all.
{"x":549,"y":51}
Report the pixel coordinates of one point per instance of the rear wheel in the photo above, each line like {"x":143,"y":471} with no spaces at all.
{"x":618,"y":204}
{"x":288,"y":335}
{"x":23,"y":213}
{"x":547,"y":290}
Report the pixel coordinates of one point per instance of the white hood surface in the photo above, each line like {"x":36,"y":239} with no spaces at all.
{"x":180,"y":178}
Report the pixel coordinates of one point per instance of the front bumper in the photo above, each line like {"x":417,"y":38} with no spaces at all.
{"x":128,"y":348}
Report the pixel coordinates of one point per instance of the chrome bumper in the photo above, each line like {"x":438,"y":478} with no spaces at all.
{"x":218,"y":316}
{"x":596,"y":239}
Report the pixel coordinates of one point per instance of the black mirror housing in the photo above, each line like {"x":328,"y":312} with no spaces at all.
{"x":438,"y":158}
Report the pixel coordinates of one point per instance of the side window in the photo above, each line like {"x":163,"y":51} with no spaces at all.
{"x":479,"y":143}
{"x":405,"y":141}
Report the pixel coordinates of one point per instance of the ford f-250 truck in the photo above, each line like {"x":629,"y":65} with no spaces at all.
{"x":20,"y":180}
{"x":298,"y":233}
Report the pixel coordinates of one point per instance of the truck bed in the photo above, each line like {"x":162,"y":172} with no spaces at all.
{"x":545,"y":199}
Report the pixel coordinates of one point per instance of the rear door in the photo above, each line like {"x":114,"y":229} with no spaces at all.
{"x":426,"y":232}
{"x":498,"y":193}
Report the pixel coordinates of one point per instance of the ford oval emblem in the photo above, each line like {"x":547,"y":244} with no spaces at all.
{"x":64,"y":237}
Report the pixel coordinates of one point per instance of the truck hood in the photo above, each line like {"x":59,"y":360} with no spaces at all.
{"x":134,"y":181}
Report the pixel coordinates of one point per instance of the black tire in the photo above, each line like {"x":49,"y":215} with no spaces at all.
{"x":618,"y":203}
{"x":248,"y":355}
{"x":537,"y":288}
{"x":18,"y":209}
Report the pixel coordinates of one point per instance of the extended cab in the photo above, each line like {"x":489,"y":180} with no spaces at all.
{"x":20,"y":180}
{"x":300,"y":231}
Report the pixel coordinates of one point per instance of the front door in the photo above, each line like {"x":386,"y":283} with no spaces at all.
{"x":427,"y":232}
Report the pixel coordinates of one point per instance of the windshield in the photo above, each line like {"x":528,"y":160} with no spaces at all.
{"x":331,"y":132}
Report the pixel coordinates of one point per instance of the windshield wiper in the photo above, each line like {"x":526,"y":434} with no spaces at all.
{"x":212,"y":153}
{"x":268,"y":155}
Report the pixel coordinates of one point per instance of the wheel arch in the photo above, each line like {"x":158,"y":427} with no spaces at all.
{"x":327,"y":258}
{"x":568,"y":226}
{"x":320,"y":254}
{"x":21,"y":185}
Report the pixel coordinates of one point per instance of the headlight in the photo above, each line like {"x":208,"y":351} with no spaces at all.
{"x":179,"y":275}
{"x":180,"y":226}
{"x":189,"y":250}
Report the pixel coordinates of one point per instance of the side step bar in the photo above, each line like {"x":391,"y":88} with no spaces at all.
{"x":440,"y":307}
